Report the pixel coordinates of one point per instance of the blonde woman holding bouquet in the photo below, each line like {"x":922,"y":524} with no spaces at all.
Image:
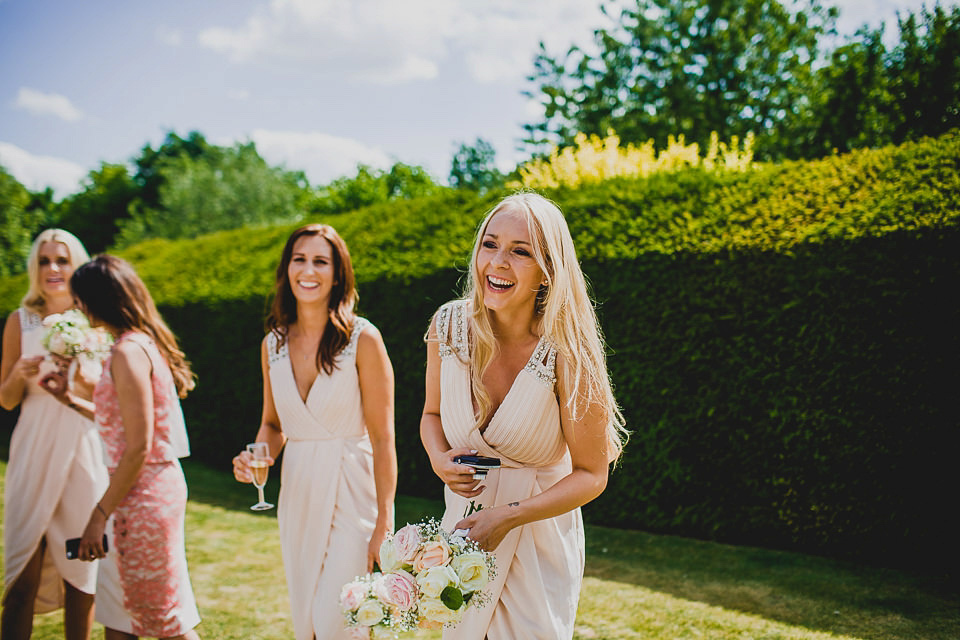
{"x":516,"y":371}
{"x":143,"y":587}
{"x":328,"y":404}
{"x":56,"y":471}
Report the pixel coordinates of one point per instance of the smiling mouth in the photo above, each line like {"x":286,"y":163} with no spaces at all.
{"x":499,"y":284}
{"x":308,"y":285}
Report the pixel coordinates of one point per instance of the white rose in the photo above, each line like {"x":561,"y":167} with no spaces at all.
{"x":434,"y":580}
{"x":434,"y":610}
{"x":57,"y":344}
{"x":51,"y":320}
{"x":389,"y":559}
{"x":370,"y":613}
{"x":472,"y":571}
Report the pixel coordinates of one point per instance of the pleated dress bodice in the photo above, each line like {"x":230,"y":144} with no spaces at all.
{"x":540,"y":564}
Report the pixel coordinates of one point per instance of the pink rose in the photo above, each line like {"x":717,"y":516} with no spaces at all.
{"x":397,"y":589}
{"x":433,"y":554}
{"x":358,"y":633}
{"x":352,"y":595}
{"x":407,"y":541}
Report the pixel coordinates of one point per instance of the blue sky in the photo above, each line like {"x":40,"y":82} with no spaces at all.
{"x":318,"y":85}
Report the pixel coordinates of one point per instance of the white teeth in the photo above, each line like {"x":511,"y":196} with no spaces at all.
{"x":498,"y":282}
{"x":308,"y":285}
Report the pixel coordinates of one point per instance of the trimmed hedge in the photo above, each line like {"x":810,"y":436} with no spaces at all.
{"x":783,"y":341}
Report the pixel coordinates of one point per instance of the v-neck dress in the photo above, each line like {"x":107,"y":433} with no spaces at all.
{"x":328,"y":503}
{"x":539,"y":565}
{"x":54,"y":478}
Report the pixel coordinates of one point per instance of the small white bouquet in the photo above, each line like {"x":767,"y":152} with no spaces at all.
{"x":68,"y":336}
{"x":429,"y":578}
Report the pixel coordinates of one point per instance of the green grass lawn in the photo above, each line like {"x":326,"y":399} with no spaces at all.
{"x":637,"y":585}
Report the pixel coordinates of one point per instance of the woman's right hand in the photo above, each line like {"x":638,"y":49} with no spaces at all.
{"x":459,"y":477}
{"x":26,"y":367}
{"x":241,"y":467}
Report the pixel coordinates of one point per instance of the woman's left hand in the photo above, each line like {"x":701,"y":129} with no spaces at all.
{"x":489,"y":526}
{"x":91,"y":543}
{"x":373,"y":549}
{"x":56,"y":384}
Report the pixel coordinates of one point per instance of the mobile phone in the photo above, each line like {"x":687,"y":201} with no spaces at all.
{"x":73,"y":547}
{"x":478,"y":462}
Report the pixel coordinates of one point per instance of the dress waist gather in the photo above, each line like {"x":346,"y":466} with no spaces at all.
{"x":292,"y":439}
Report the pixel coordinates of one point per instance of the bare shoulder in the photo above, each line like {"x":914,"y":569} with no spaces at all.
{"x":13,"y":323}
{"x":369,"y":341}
{"x":131,"y":355}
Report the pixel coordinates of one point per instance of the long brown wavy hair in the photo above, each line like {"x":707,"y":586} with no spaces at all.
{"x":110,"y":290}
{"x":343,"y":297}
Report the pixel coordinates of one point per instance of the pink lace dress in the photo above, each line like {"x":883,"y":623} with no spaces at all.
{"x":143,"y":587}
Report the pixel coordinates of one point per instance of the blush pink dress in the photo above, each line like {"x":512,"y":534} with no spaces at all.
{"x":328,"y":500}
{"x":54,"y":478}
{"x":143,"y":587}
{"x":539,"y":565}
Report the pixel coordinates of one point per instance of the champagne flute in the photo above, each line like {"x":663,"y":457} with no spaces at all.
{"x":260,"y":468}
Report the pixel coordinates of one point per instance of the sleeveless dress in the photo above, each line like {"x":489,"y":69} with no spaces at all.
{"x":143,"y":587}
{"x":539,"y":565}
{"x":328,"y":502}
{"x":54,"y":478}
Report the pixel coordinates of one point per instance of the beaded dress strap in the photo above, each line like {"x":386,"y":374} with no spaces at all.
{"x":452,"y":317}
{"x":543,"y":362}
{"x":275,"y":353}
{"x":359,"y":324}
{"x":29,"y":319}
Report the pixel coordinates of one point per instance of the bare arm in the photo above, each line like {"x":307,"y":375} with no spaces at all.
{"x":131,"y":371}
{"x":269,"y":431}
{"x":14,"y":369}
{"x":377,"y":395}
{"x":458,"y":477}
{"x":586,"y":438}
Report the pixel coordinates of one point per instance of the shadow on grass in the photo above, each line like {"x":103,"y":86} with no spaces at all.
{"x":809,"y":591}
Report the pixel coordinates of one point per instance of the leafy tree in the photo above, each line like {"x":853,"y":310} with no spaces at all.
{"x":149,"y":176}
{"x":372,"y":186}
{"x":691,"y":67}
{"x":868,"y":96}
{"x":924,"y":75}
{"x":472,"y":167}
{"x":224,"y":188}
{"x":94,"y":214}
{"x":18,"y":224}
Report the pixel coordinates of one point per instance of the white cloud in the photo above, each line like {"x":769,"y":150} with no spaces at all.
{"x":389,"y":42}
{"x":40,"y":103}
{"x":322,"y":157}
{"x":39,"y":172}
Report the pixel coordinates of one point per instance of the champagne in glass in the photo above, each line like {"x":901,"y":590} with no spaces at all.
{"x":260,"y":467}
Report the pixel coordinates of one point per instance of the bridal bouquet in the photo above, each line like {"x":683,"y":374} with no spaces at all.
{"x":429,"y":578}
{"x":69,"y":335}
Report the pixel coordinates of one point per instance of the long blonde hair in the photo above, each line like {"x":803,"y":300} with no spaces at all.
{"x":34,"y":300}
{"x":564,"y":309}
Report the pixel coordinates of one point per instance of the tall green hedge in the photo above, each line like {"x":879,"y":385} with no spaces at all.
{"x":784,"y":342}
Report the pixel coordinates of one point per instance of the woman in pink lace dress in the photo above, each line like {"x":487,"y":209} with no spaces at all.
{"x":143,"y":588}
